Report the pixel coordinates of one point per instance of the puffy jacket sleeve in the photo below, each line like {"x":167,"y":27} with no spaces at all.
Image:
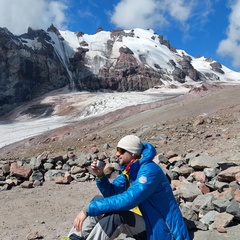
{"x":146,"y":182}
{"x":108,"y":189}
{"x":139,"y":191}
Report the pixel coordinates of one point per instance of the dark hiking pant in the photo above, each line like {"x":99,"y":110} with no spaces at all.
{"x":110,"y":226}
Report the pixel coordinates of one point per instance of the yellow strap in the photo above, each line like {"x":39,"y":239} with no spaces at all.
{"x":135,"y":209}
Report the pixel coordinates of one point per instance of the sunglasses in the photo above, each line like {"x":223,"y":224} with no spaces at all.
{"x":121,"y":150}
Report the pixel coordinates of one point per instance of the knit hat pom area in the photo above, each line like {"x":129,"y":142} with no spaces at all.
{"x":131,"y":143}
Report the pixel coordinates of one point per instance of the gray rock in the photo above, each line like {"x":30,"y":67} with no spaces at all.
{"x":66,"y":167}
{"x":209,"y":217}
{"x":185,"y":170}
{"x":55,"y":160}
{"x":37,"y":183}
{"x":191,"y":155}
{"x":197,"y":225}
{"x":81,"y":159}
{"x":48,"y":166}
{"x":51,"y":175}
{"x":171,"y":174}
{"x":203,"y":202}
{"x":37,"y":176}
{"x":203,"y":161}
{"x":162,"y":159}
{"x":188,"y":191}
{"x":71,"y":162}
{"x":188,"y":212}
{"x":115,"y":166}
{"x":214,"y":184}
{"x":81,"y":177}
{"x":234,"y":209}
{"x":35,"y":163}
{"x":106,"y":146}
{"x":5,"y":168}
{"x":220,"y":205}
{"x":210,"y":172}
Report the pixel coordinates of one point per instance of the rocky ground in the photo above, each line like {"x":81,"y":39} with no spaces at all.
{"x":207,"y":120}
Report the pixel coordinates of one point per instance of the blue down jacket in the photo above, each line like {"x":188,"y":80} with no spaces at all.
{"x":150,"y":191}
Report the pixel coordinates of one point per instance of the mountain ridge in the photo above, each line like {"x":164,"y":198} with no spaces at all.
{"x":39,"y":61}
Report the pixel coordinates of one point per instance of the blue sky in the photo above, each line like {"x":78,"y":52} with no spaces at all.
{"x":210,"y":28}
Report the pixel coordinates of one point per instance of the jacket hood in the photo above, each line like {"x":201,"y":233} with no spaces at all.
{"x":147,"y":156}
{"x":148,"y":153}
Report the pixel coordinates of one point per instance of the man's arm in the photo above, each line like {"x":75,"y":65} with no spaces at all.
{"x":78,"y":221}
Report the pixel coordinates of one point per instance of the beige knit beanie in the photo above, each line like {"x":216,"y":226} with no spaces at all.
{"x":131,"y":143}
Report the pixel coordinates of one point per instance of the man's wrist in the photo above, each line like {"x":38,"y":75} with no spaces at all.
{"x":85,"y":210}
{"x":100,"y":177}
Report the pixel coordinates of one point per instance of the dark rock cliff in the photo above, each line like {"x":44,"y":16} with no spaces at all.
{"x":27,"y":72}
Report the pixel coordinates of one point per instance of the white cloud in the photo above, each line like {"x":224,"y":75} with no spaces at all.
{"x":150,"y":13}
{"x":231,"y":45}
{"x":127,"y":14}
{"x":180,"y":10}
{"x":18,"y":15}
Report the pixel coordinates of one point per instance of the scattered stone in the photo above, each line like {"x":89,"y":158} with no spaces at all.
{"x":162,"y":159}
{"x":221,"y":229}
{"x":27,"y":184}
{"x":209,"y":217}
{"x":34,"y":235}
{"x":204,"y":189}
{"x":76,"y":169}
{"x":203,"y":161}
{"x":199,"y":121}
{"x":12,"y":181}
{"x":229,"y":174}
{"x":199,"y":176}
{"x":20,"y":171}
{"x":35,"y":163}
{"x":237,"y":195}
{"x":222,"y":220}
{"x":188,"y":191}
{"x":43,"y":156}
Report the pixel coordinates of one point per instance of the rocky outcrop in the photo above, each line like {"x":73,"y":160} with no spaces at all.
{"x":188,"y":69}
{"x":217,"y":67}
{"x":29,"y":68}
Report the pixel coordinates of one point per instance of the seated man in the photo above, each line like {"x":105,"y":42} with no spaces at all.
{"x":139,"y":202}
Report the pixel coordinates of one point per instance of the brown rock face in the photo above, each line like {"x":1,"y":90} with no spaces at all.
{"x":20,"y":171}
{"x":229,"y":174}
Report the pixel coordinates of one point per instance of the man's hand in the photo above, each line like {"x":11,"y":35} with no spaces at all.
{"x":78,"y":222}
{"x":98,"y":171}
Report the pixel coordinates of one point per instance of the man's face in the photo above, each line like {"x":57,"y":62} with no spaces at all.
{"x":123,"y":156}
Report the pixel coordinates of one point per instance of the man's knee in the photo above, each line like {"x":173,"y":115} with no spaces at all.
{"x":96,"y":197}
{"x":110,"y":222}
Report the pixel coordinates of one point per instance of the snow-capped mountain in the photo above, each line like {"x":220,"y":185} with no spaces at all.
{"x":40,"y":61}
{"x":107,"y":50}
